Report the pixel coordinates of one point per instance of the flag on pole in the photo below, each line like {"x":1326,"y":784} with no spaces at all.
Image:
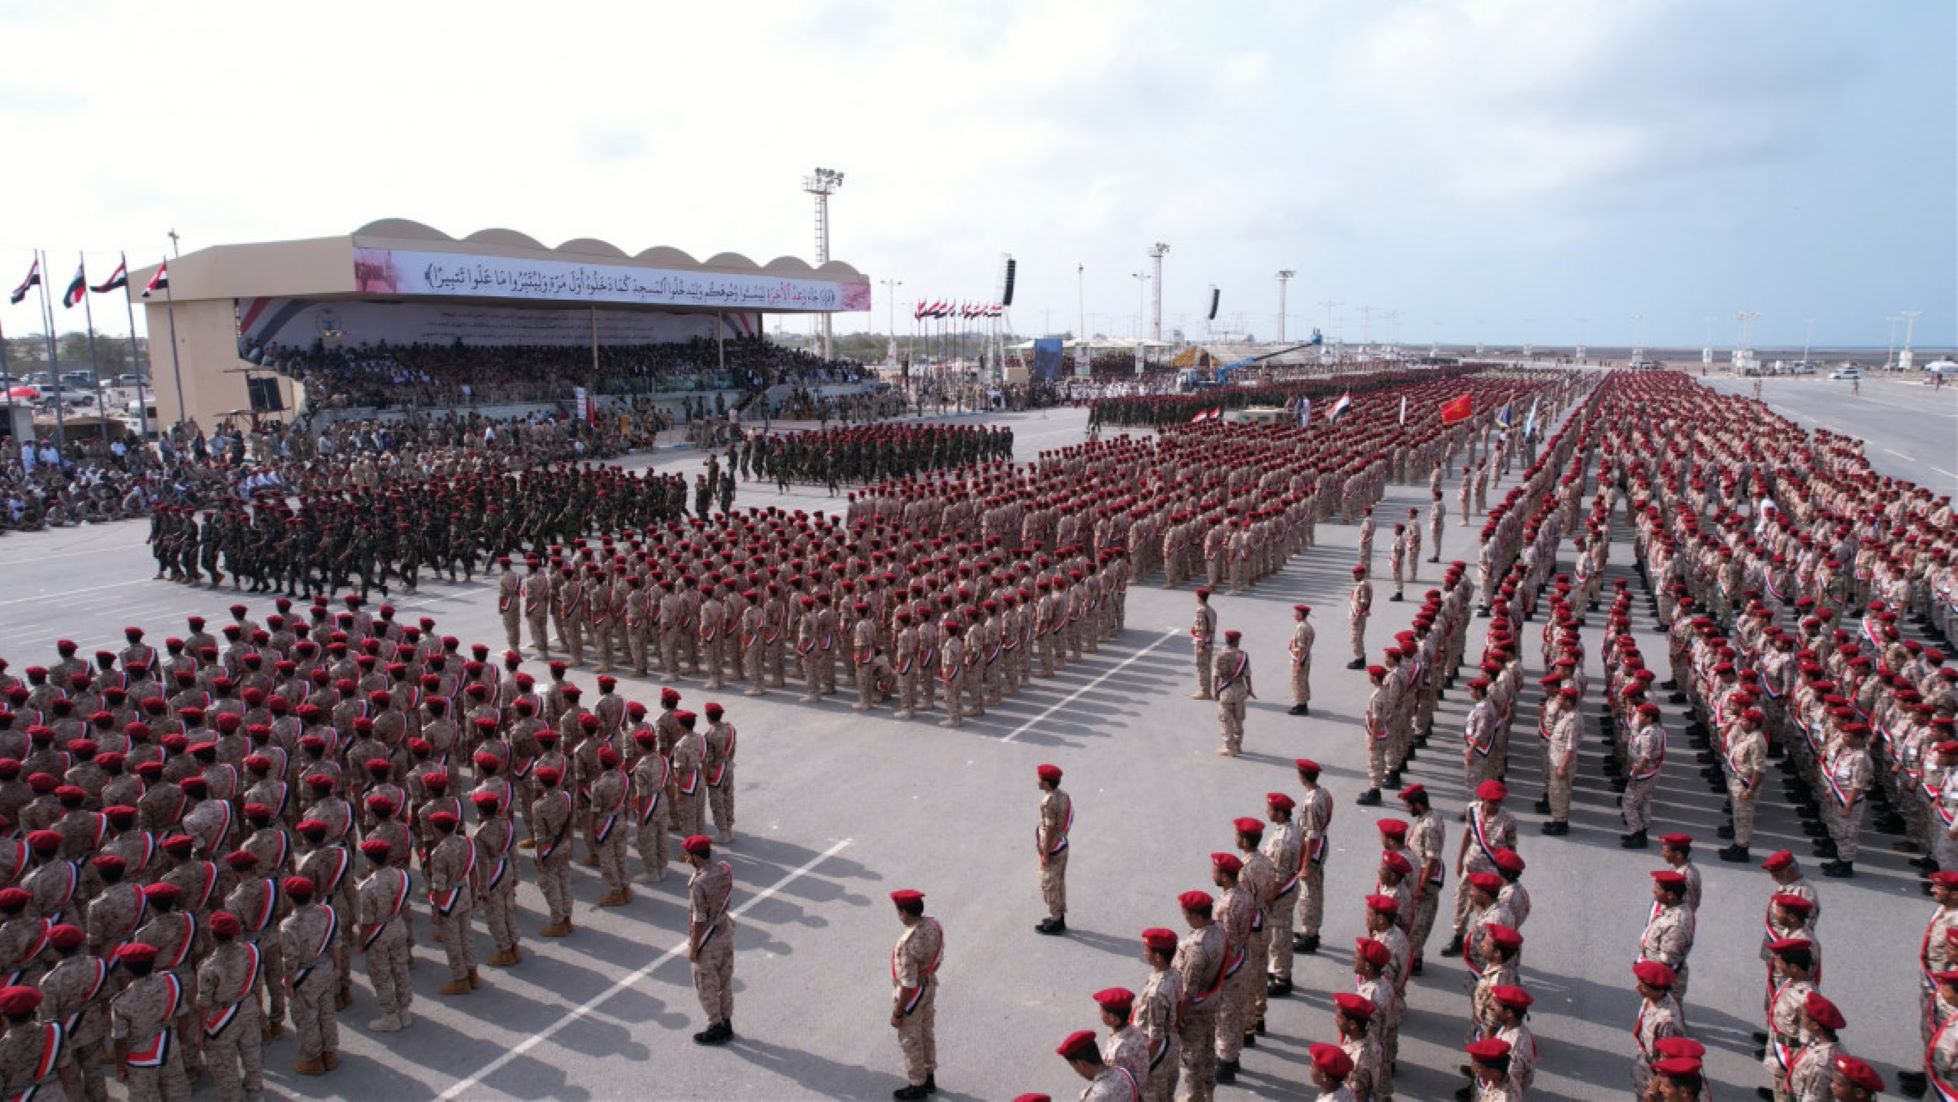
{"x":32,"y":281}
{"x":1403,"y":409}
{"x":158,"y":282}
{"x":1529,"y":421}
{"x":117,"y":280}
{"x":77,"y":287}
{"x":1305,"y":412}
{"x":1345,"y":403}
{"x":1504,"y":415}
{"x":1456,"y":410}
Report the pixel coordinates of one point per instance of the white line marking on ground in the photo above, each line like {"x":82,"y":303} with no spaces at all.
{"x":1075,"y":695}
{"x":1901,"y":455}
{"x":73,"y":592}
{"x":1942,"y":471}
{"x":72,"y":554}
{"x":626,"y":981}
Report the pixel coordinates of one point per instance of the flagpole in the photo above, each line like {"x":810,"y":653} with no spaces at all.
{"x":142,"y":403}
{"x":11,"y":381}
{"x":54,"y":362}
{"x":94,"y":364}
{"x":176,"y":367}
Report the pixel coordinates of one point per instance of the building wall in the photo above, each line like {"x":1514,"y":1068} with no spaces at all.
{"x":213,"y":376}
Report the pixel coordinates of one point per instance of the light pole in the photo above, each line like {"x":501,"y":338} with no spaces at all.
{"x":1284,"y":276}
{"x":1156,"y":253}
{"x":1141,"y":288}
{"x":1328,"y":333}
{"x":1808,"y":336}
{"x":1638,"y":337}
{"x":822,"y":183}
{"x":1744,"y":353}
{"x":1081,"y":312}
{"x":1910,"y":328}
{"x":1890,"y":357}
{"x":890,"y":295}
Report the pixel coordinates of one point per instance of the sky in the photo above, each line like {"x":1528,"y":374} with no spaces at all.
{"x":1460,"y":170}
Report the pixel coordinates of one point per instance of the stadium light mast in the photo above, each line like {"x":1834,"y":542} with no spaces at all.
{"x":1890,"y":357}
{"x":1284,"y":276}
{"x":1156,"y":253}
{"x":823,"y":183}
{"x":1744,"y":352}
{"x":890,"y":295}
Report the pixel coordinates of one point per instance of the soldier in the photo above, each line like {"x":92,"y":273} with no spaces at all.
{"x":1203,"y":631}
{"x":227,"y":1004}
{"x":1050,"y":847}
{"x":1846,"y":772}
{"x":1490,"y":828}
{"x":689,"y":752}
{"x":1106,"y":1082}
{"x":651,"y":776}
{"x":717,"y":768}
{"x":1231,"y":682}
{"x":32,"y":1049}
{"x":1301,"y":651}
{"x":1236,"y":913}
{"x":710,"y":938}
{"x":1379,"y":734}
{"x":1126,"y":1048}
{"x":1331,"y":1067}
{"x":1353,"y":1017}
{"x":509,"y":602}
{"x":1645,"y":754}
{"x":1259,"y":879}
{"x":451,"y":869}
{"x":1437,"y":517}
{"x":1658,"y":1018}
{"x":1562,"y":732}
{"x":1281,"y":847}
{"x":73,"y":989}
{"x":1200,"y":959}
{"x":951,"y":672}
{"x":381,"y":913}
{"x":537,"y":608}
{"x":315,"y":955}
{"x":496,"y":881}
{"x":1157,"y":1012}
{"x":551,"y":817}
{"x":1668,"y":937}
{"x":1427,"y":836}
{"x":914,"y":996}
{"x":1941,"y":1052}
{"x":1810,"y":1074}
{"x":1359,"y":605}
{"x":1315,"y":818}
{"x":610,"y":796}
{"x":142,"y":1025}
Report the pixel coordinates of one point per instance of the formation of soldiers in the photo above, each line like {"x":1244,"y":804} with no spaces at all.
{"x":850,"y":455}
{"x":203,"y":837}
{"x":384,"y":537}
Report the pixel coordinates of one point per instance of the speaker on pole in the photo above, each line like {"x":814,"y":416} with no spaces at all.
{"x":1214,"y":293}
{"x":1006,"y":292}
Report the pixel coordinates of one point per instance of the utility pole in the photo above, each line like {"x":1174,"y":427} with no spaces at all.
{"x":1328,"y":332}
{"x":1284,"y":276}
{"x":1156,"y":253}
{"x":821,"y":183}
{"x":1579,"y":350}
{"x":1141,"y":286}
{"x":174,"y":251}
{"x":1366,"y":326}
{"x":1890,"y":357}
{"x":1808,"y":336}
{"x":1638,"y":337}
{"x":1081,"y":365}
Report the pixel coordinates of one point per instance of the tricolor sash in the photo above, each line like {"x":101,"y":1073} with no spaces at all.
{"x":394,"y":911}
{"x":155,"y":1052}
{"x":1067,"y":824}
{"x":261,"y":916}
{"x":1947,"y":1090}
{"x":216,"y":1023}
{"x":1481,"y":832}
{"x":101,"y":980}
{"x":445,"y":902}
{"x":332,"y":930}
{"x":545,"y":849}
{"x":719,"y":769}
{"x":183,"y":943}
{"x":925,"y":974}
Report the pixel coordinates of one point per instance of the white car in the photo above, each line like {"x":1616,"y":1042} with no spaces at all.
{"x":1941,"y":367}
{"x":1850,"y":373}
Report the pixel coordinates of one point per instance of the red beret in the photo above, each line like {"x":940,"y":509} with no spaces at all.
{"x":1078,"y":1046}
{"x":907,"y":895}
{"x":1392,"y":828}
{"x":1117,"y":1000}
{"x":1253,"y":827}
{"x":1491,"y":790}
{"x":1197,"y":902}
{"x":1653,"y":974}
{"x":225,"y":924}
{"x":1822,"y":1011}
{"x":1159,"y":939}
{"x":1331,"y":1061}
{"x":1353,"y":1006}
{"x":698,"y":844}
{"x":1229,"y":862}
{"x":1049,"y":773}
{"x":298,"y":887}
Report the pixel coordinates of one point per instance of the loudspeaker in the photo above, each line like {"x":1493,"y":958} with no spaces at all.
{"x":265,"y":395}
{"x":1214,"y":293}
{"x":1012,"y":269}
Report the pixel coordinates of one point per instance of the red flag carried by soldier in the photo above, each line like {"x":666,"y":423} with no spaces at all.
{"x":1455,"y":410}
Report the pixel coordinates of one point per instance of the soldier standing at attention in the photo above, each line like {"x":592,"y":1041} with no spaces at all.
{"x":1645,"y":754}
{"x":380,"y":902}
{"x":1232,"y":684}
{"x":1050,"y":843}
{"x":509,"y":602}
{"x":1200,"y":960}
{"x":1437,"y":516}
{"x":1236,"y":911}
{"x":142,"y":1024}
{"x":1315,"y":817}
{"x":710,"y":938}
{"x":1203,"y":630}
{"x":227,"y":1006}
{"x":451,"y":891}
{"x":1301,"y":649}
{"x":1281,"y":848}
{"x":314,"y":956}
{"x":537,"y":609}
{"x":1156,"y":1013}
{"x":550,"y":816}
{"x":1427,"y":834}
{"x":914,"y":998}
{"x":1359,"y":605}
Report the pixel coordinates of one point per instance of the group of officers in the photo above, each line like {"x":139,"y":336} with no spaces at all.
{"x":202,"y":837}
{"x":851,"y":454}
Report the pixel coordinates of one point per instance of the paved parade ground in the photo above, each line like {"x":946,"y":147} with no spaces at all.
{"x":1911,"y":428}
{"x":836,"y":809}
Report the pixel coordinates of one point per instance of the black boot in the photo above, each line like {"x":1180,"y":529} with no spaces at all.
{"x":1556,"y":828}
{"x":1307,"y":945}
{"x":1840,"y":870}
{"x":1634,"y":840}
{"x":1276,"y":988}
{"x":1453,"y":947}
{"x":1357,"y":664}
{"x":1299,"y":710}
{"x":910,"y":1092}
{"x":1226,"y":1072}
{"x":1735,"y":853}
{"x":1542,"y":807}
{"x":1369,"y":798}
{"x":1051,"y":926}
{"x":1912,"y":1084}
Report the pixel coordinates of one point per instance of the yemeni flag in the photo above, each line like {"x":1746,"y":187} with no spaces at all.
{"x":117,"y":280}
{"x":1345,"y":403}
{"x":32,"y":281}
{"x":1456,"y":410}
{"x":77,"y":287}
{"x":158,"y":282}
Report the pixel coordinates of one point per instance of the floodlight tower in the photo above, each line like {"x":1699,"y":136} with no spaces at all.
{"x":1744,"y":352}
{"x":823,"y":183}
{"x":1156,"y":253}
{"x":1910,"y":328}
{"x":1284,"y":276}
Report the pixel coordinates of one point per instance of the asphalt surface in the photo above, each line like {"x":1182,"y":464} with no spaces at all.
{"x":1911,"y":428}
{"x":835,"y":810}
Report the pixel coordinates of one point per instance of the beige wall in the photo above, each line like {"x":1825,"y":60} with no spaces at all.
{"x":207,"y":354}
